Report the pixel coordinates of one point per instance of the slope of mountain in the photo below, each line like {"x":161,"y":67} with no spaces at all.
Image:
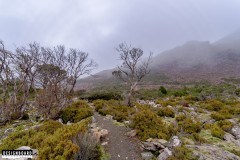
{"x":194,"y":61}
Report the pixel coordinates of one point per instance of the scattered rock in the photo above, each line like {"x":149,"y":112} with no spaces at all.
{"x":109,"y":117}
{"x":132,"y":133}
{"x":149,"y":146}
{"x":99,"y":134}
{"x":235,"y":131}
{"x":60,"y":120}
{"x":93,"y":125}
{"x":230,"y":138}
{"x":212,"y":152}
{"x":175,"y":141}
{"x":104,"y":143}
{"x":35,"y":151}
{"x":69,"y":123}
{"x":146,"y":155}
{"x":164,"y":154}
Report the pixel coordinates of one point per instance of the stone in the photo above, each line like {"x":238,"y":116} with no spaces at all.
{"x":104,"y":133}
{"x":211,"y":152}
{"x":149,"y":146}
{"x":175,"y":141}
{"x":164,"y":154}
{"x":93,"y":125}
{"x":132,"y":133}
{"x":69,"y":123}
{"x":235,"y":130}
{"x":147,"y":155}
{"x":109,"y":117}
{"x":60,"y":120}
{"x":104,"y":143}
{"x":231,"y":139}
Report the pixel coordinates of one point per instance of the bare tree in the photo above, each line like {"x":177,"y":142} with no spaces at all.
{"x":79,"y":64}
{"x":132,"y":70}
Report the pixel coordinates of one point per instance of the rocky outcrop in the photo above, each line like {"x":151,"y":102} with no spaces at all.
{"x":211,"y":152}
{"x":99,"y":133}
{"x":236,"y":131}
{"x":164,"y":154}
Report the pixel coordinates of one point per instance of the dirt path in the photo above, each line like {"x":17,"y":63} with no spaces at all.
{"x":120,"y":146}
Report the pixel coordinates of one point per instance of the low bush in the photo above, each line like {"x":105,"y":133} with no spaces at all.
{"x":180,"y":117}
{"x":163,"y":90}
{"x":149,"y":125}
{"x":221,"y":115}
{"x":166,"y":112}
{"x":213,"y":105}
{"x":113,"y":108}
{"x":165,"y":103}
{"x":53,"y":140}
{"x":189,"y":126}
{"x":197,"y":138}
{"x":216,"y":131}
{"x":181,"y":153}
{"x":225,"y":125}
{"x":76,"y":112}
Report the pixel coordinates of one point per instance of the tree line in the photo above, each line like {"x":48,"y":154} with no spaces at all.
{"x":45,"y":77}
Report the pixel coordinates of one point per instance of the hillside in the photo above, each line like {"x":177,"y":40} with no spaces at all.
{"x":194,"y":61}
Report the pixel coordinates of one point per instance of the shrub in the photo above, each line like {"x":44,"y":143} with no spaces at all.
{"x":221,"y":115}
{"x":15,"y":115}
{"x":52,"y":142}
{"x":190,"y":126}
{"x":217,"y":116}
{"x":237,"y":92}
{"x":25,"y":116}
{"x":213,"y":105}
{"x":168,"y":112}
{"x":225,"y":125}
{"x":180,"y":117}
{"x":112,"y":107}
{"x":181,"y":153}
{"x":149,"y":125}
{"x":76,"y":112}
{"x":198,"y":138}
{"x":163,"y":90}
{"x":180,"y":93}
{"x":216,"y":131}
{"x":165,"y":103}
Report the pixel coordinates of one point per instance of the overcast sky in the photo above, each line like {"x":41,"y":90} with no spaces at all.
{"x":98,"y":26}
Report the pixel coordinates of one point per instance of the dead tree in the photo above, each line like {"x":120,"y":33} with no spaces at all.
{"x":132,"y":70}
{"x":79,"y":64}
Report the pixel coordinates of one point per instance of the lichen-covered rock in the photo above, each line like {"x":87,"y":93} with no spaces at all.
{"x":211,"y":152}
{"x":147,"y":155}
{"x":235,"y":131}
{"x":164,"y":154}
{"x":231,"y":139}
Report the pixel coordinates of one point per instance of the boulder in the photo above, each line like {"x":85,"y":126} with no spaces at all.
{"x":211,"y":152}
{"x":164,"y":154}
{"x":132,"y":133}
{"x":235,"y":131}
{"x":149,"y":146}
{"x":175,"y":141}
{"x":147,"y":155}
{"x":231,"y":139}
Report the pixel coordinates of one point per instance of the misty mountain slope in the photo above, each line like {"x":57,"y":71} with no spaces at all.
{"x":193,"y":61}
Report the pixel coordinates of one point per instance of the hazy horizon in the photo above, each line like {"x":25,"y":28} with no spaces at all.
{"x":97,"y":27}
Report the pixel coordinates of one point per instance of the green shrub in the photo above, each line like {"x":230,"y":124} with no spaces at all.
{"x":180,"y":93}
{"x":198,"y":138}
{"x":149,"y":125}
{"x":76,"y":112}
{"x":15,"y":115}
{"x":165,"y":103}
{"x":163,"y":90}
{"x":237,"y":92}
{"x":52,"y":142}
{"x":180,"y":117}
{"x":190,"y":126}
{"x":168,"y":112}
{"x":213,"y":105}
{"x":25,"y":116}
{"x":217,"y":116}
{"x":181,"y":153}
{"x":225,"y":125}
{"x":113,"y":108}
{"x":221,"y":115}
{"x":216,"y":131}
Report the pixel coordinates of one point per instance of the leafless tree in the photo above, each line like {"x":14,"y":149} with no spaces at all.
{"x":132,"y":70}
{"x":79,"y":64}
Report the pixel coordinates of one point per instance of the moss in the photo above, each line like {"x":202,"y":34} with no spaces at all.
{"x":166,"y":112}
